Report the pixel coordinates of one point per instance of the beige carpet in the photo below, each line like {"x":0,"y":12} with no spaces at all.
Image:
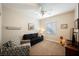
{"x":47,"y":48}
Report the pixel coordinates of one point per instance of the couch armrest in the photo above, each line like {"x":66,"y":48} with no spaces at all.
{"x":42,"y":37}
{"x":25,"y":41}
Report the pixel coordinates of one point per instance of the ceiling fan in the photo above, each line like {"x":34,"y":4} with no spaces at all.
{"x":42,"y":10}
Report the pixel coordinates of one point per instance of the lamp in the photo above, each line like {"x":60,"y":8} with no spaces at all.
{"x":41,"y":31}
{"x":62,"y":40}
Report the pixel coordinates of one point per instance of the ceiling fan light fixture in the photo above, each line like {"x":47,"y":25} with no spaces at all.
{"x":42,"y":10}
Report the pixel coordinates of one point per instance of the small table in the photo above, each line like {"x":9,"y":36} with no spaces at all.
{"x":71,"y":50}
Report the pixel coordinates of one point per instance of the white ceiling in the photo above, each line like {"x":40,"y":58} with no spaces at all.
{"x":34,"y":8}
{"x":57,"y":8}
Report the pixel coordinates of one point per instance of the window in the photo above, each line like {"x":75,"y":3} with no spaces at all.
{"x":51,"y":28}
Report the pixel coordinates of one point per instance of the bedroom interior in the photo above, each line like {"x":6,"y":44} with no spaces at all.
{"x":39,"y":29}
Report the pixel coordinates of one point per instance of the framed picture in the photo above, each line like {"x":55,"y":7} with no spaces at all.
{"x":30,"y":26}
{"x":64,"y":26}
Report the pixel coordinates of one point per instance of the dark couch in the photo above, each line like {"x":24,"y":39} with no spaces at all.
{"x":34,"y":38}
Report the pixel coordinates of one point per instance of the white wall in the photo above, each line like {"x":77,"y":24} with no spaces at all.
{"x":76,"y":11}
{"x":18,"y":18}
{"x":65,"y":18}
{"x":0,"y":23}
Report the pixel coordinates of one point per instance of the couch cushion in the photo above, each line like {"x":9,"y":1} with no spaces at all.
{"x":34,"y":35}
{"x":30,"y":36}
